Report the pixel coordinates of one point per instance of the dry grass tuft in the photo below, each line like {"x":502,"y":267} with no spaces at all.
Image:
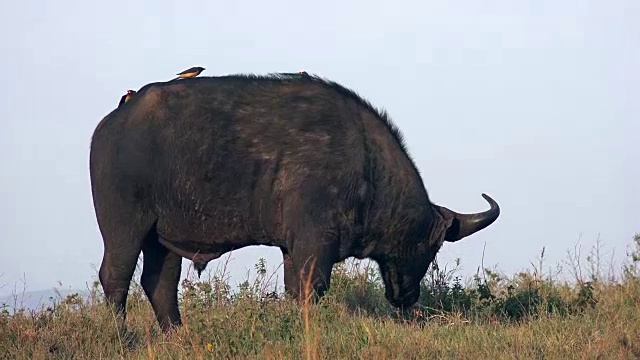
{"x":492,"y":316}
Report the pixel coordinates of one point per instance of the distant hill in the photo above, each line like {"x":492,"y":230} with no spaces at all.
{"x":34,"y":300}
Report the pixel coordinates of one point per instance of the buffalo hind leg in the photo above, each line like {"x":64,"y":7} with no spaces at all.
{"x":160,"y":277}
{"x":122,"y":246}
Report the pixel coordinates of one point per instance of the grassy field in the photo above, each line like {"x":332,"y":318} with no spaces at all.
{"x":529,"y":315}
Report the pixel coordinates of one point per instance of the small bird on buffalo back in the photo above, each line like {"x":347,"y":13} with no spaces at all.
{"x":190,"y":73}
{"x":299,"y":73}
{"x":126,"y":97}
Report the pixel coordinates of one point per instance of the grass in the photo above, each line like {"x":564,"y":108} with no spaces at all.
{"x":525,"y":316}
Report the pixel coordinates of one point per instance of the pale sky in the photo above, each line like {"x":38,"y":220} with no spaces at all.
{"x":533,"y":102}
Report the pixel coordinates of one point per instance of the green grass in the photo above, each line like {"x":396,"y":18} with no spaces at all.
{"x":490,"y":316}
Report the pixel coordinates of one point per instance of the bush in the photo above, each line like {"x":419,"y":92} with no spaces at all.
{"x":490,"y":316}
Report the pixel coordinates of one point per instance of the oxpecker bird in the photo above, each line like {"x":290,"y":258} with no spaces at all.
{"x":190,"y":73}
{"x":126,"y":97}
{"x":299,"y":73}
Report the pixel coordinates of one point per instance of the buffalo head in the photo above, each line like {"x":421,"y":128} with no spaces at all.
{"x":403,"y":269}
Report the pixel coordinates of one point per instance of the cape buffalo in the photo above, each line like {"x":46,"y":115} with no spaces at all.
{"x":199,"y":167}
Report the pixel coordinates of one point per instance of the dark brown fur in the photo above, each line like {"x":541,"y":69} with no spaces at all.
{"x":202,"y":166}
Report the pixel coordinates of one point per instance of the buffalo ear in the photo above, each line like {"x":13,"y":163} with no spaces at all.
{"x":442,"y":227}
{"x":453,"y":230}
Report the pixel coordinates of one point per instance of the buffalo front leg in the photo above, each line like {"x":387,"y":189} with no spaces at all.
{"x":160,"y":277}
{"x":290,"y":275}
{"x":312,"y":266}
